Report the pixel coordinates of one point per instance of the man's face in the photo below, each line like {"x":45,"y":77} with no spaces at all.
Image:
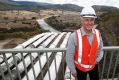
{"x":87,"y":23}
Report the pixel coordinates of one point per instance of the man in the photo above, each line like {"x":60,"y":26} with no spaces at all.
{"x":84,"y":50}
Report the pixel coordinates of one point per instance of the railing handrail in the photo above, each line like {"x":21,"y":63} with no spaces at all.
{"x":48,"y":49}
{"x":111,"y":48}
{"x":33,"y":50}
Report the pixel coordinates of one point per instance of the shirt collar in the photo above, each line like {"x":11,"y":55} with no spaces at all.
{"x":84,"y":33}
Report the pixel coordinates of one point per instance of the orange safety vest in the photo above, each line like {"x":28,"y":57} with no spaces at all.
{"x":85,"y":54}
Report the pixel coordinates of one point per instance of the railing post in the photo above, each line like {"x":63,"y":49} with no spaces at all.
{"x":116,"y":62}
{"x":104,"y":61}
{"x":2,"y":73}
{"x":40,"y":65}
{"x":110,"y":64}
{"x":26,"y":72}
{"x":56,"y":67}
{"x":32,"y":65}
{"x":118,"y":76}
{"x":62,"y":65}
{"x":7,"y":66}
{"x":18,"y":73}
{"x":48,"y":65}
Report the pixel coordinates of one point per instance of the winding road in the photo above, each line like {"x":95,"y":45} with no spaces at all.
{"x":45,"y":26}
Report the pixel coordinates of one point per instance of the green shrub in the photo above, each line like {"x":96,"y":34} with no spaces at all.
{"x":21,"y":34}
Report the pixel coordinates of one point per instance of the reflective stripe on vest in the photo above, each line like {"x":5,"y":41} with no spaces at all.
{"x":80,"y":46}
{"x":98,"y":36}
{"x":79,"y":36}
{"x":83,"y":65}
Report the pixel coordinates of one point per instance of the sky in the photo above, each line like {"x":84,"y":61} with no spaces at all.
{"x":114,"y":3}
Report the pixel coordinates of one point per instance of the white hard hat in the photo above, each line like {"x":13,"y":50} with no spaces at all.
{"x":88,"y":12}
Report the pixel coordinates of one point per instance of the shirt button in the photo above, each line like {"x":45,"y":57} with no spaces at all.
{"x":88,"y":55}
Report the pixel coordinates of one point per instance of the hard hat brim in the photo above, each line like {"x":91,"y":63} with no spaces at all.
{"x":90,"y":16}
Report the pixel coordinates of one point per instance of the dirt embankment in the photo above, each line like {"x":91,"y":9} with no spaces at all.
{"x":14,"y":24}
{"x":11,"y":43}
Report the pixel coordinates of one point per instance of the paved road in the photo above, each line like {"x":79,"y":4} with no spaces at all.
{"x":45,"y":26}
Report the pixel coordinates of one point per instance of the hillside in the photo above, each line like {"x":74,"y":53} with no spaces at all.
{"x":109,"y":26}
{"x":9,"y":4}
{"x":108,"y":22}
{"x":6,"y":6}
{"x":105,"y":8}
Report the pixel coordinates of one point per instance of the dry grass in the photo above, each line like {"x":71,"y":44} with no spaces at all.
{"x":13,"y":14}
{"x":20,"y":19}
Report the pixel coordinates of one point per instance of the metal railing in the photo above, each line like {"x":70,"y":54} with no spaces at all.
{"x":49,"y":64}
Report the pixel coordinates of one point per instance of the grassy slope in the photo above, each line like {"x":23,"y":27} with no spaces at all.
{"x":109,"y":26}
